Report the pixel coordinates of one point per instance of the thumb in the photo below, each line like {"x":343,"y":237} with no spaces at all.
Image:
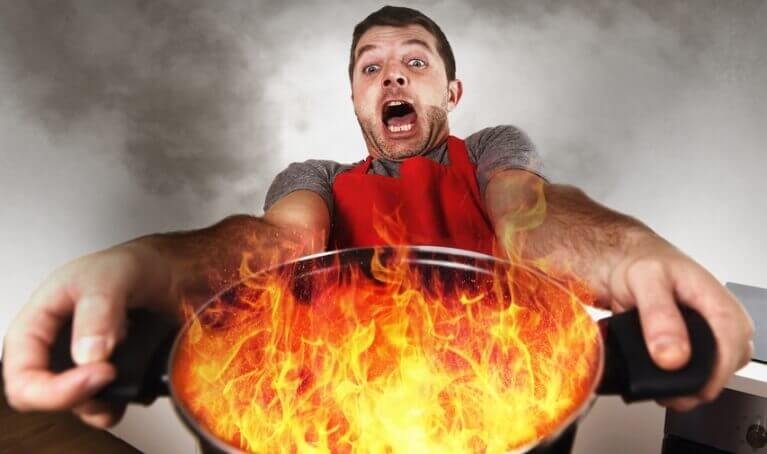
{"x":663,"y":327}
{"x":96,"y":327}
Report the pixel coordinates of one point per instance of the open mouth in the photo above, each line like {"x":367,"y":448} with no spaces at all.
{"x":398,"y":116}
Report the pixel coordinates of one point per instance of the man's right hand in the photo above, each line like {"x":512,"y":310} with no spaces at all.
{"x":95,"y":292}
{"x":153,"y":272}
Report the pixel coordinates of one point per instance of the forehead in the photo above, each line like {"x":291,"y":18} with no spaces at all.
{"x":386,"y":36}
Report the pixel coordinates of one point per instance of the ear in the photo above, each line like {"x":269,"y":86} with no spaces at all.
{"x":454,"y":93}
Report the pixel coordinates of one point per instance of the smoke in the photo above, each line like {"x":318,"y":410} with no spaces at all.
{"x":209,"y":96}
{"x":602,"y":84}
{"x":181,"y":80}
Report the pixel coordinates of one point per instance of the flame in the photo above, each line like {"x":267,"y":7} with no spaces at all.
{"x":524,"y":212}
{"x":395,"y":357}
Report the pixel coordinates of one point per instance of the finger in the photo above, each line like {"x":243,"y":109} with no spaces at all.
{"x":663,"y":328}
{"x":680,"y":404}
{"x":747,"y":334}
{"x":728,"y":320}
{"x":99,"y":414}
{"x":28,"y":383}
{"x":97,"y":326}
{"x":32,"y":332}
{"x":45,"y":391}
{"x":747,"y":354}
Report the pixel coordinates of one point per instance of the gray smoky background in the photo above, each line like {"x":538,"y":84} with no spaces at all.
{"x":121,"y":118}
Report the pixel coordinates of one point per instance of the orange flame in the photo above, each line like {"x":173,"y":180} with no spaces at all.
{"x":397,"y":360}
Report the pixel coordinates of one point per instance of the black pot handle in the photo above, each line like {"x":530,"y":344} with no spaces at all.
{"x":630,"y":371}
{"x":141,"y":359}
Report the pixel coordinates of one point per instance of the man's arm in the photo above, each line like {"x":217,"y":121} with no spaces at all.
{"x":156,"y":272}
{"x":625,"y":263}
{"x":205,"y":261}
{"x":560,"y":227}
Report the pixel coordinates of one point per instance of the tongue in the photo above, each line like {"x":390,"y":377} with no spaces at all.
{"x":403,"y":120}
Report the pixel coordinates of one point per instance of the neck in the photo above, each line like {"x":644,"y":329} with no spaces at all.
{"x":432,"y":143}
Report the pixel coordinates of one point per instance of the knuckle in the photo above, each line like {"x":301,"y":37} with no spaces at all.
{"x":15,"y":331}
{"x":709,"y":395}
{"x":684,"y":405}
{"x":102,"y":420}
{"x":15,"y":401}
{"x":64,"y":273}
{"x":723,"y":316}
{"x":672,"y":403}
{"x":95,"y":302}
{"x":102,"y":273}
{"x":749,"y":327}
{"x":650,"y":267}
{"x":669,"y":313}
{"x":117,"y":262}
{"x":85,"y":418}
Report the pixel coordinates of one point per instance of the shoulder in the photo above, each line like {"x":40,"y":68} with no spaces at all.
{"x":315,"y":169}
{"x":500,"y":148}
{"x":505,"y":136}
{"x":314,"y":166}
{"x":315,"y":175}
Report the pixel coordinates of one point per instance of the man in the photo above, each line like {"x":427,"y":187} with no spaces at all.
{"x":475,"y":194}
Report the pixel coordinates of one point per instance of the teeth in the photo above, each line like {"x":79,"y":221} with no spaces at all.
{"x":406,"y":127}
{"x":394,"y":103}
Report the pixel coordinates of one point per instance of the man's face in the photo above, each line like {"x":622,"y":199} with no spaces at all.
{"x":400,"y":91}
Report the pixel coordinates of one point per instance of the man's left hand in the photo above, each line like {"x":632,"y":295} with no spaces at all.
{"x":655,"y":277}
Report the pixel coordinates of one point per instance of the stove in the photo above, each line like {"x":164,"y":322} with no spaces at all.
{"x":736,"y":422}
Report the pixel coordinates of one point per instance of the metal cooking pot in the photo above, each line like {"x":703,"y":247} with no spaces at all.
{"x":607,"y":357}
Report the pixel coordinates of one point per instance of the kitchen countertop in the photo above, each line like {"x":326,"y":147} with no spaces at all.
{"x":751,"y":379}
{"x":52,"y":433}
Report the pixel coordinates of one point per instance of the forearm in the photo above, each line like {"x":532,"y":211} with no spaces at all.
{"x":563,"y":230}
{"x":191,"y":266}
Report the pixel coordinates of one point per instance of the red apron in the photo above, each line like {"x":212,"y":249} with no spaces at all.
{"x":429,"y":204}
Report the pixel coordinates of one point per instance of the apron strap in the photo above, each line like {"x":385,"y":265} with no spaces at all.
{"x":458,"y":153}
{"x":363,"y":166}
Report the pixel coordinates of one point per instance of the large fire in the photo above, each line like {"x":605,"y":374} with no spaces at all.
{"x":393,"y":357}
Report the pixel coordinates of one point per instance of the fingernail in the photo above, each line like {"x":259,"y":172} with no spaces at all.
{"x":90,"y":349}
{"x":668,"y":348}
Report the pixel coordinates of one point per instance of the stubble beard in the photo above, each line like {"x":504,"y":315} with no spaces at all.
{"x":436,"y":122}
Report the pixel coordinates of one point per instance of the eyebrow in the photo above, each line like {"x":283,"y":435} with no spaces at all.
{"x":411,"y":41}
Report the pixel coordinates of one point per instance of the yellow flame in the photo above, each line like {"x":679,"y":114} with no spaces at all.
{"x":526,"y":212}
{"x":393,"y":362}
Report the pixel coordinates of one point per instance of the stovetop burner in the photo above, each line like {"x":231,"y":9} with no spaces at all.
{"x":754,"y":299}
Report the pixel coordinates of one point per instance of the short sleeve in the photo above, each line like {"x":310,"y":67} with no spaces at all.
{"x":502,"y":148}
{"x":313,"y":175}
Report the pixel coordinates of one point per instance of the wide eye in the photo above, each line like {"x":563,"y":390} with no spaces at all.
{"x":370,"y":69}
{"x":416,"y":63}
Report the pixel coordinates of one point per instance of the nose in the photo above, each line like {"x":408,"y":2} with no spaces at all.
{"x":390,"y":80}
{"x":394,"y":76}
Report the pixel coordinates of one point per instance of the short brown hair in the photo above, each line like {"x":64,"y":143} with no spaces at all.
{"x":398,"y":16}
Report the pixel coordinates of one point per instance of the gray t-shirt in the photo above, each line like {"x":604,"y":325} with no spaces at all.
{"x":497,"y":148}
